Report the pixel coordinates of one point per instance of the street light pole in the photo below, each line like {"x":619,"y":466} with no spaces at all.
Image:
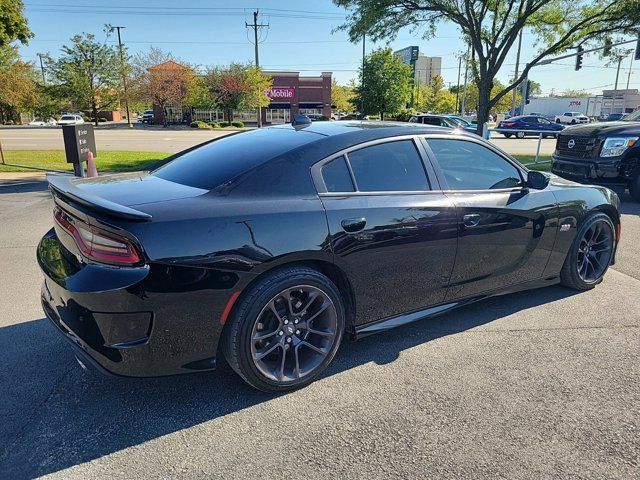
{"x":458,"y":86}
{"x":463,"y":108}
{"x":124,"y":78}
{"x":362,"y":79}
{"x":629,"y":74}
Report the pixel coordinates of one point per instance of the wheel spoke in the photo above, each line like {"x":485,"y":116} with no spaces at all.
{"x":284,"y":358}
{"x":297,"y":358}
{"x":263,"y":353}
{"x":274,"y":310}
{"x":312,"y":298}
{"x":315,"y":315}
{"x":313,"y":347}
{"x":264,"y":336}
{"x":320,"y":332}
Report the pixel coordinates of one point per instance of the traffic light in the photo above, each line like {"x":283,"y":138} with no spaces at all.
{"x":637,"y":56}
{"x":579,"y":58}
{"x":527,"y":92}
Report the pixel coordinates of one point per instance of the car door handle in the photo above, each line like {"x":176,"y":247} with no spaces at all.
{"x":353,"y":224}
{"x":471,"y":220}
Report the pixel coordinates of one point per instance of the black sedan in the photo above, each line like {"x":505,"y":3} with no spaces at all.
{"x":525,"y":125}
{"x":269,"y":247}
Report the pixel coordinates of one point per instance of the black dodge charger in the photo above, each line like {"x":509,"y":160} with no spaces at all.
{"x":268,"y":247}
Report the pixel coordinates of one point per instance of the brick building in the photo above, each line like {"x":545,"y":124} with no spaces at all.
{"x":290,"y":94}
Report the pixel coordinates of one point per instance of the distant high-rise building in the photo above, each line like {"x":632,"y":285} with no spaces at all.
{"x":424,"y":68}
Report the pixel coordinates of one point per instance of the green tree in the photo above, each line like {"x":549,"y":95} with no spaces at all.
{"x":342,"y":96}
{"x":88,"y":73}
{"x":13,"y":23}
{"x":436,"y":98}
{"x":258,"y":83}
{"x":491,"y":28}
{"x":387,"y":86}
{"x":17,"y":85}
{"x":237,"y":87}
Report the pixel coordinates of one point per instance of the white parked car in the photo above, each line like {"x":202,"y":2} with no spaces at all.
{"x":70,"y":120}
{"x":572,"y":118}
{"x":50,"y":121}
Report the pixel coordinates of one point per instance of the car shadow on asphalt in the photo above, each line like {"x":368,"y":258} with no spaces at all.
{"x":22,"y":186}
{"x":57,"y":416}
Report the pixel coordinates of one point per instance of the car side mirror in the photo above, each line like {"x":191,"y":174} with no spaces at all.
{"x":537,"y":180}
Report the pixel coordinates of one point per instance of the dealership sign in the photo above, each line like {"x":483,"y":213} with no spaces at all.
{"x":281,"y":93}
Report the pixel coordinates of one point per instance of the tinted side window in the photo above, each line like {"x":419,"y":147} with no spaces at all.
{"x":470,"y":166}
{"x":392,"y":166}
{"x":336,"y":176}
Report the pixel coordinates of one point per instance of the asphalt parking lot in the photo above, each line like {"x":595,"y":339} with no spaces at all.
{"x":540,"y":384}
{"x":158,"y":139}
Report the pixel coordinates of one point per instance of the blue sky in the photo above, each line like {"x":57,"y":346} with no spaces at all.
{"x":300,"y":37}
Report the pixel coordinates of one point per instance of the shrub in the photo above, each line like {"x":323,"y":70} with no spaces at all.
{"x":214,"y":125}
{"x":405,"y":115}
{"x":102,"y":119}
{"x":238,"y":124}
{"x":199,"y":124}
{"x":224,"y":124}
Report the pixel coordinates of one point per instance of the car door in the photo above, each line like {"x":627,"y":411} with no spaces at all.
{"x":392,"y":230}
{"x":505,"y":230}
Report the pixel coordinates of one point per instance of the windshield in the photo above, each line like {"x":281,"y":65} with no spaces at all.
{"x":459,"y":121}
{"x":68,"y":117}
{"x":633,"y":117}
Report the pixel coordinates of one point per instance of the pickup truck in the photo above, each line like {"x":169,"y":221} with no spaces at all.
{"x":601,"y":153}
{"x":572,"y":118}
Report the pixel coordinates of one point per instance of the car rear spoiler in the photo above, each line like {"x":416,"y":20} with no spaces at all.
{"x":63,"y":185}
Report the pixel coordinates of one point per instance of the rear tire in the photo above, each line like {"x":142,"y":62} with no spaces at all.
{"x":634,"y":186}
{"x":520,"y":135}
{"x":590,"y":254}
{"x":507,"y":135}
{"x":285,"y":330}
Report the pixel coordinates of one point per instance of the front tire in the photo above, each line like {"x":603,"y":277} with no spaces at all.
{"x":286,"y":330}
{"x":590,"y":254}
{"x":507,"y":135}
{"x":634,"y":186}
{"x":520,"y":135}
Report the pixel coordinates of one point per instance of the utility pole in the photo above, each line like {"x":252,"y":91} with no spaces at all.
{"x":618,"y":72}
{"x":255,"y":25}
{"x":111,"y":28}
{"x":629,"y":75}
{"x":458,"y":87}
{"x":513,"y":98}
{"x":44,"y":80}
{"x":362,"y":80}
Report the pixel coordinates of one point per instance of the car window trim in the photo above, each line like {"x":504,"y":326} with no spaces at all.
{"x":430,"y":174}
{"x":442,"y":180}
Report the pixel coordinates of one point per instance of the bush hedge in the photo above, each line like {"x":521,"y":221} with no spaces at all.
{"x":224,"y":124}
{"x":238,"y":124}
{"x":199,"y":124}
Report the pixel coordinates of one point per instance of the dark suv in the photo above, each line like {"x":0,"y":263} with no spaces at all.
{"x":601,"y":153}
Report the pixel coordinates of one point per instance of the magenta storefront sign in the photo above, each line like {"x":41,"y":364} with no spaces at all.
{"x":281,"y":93}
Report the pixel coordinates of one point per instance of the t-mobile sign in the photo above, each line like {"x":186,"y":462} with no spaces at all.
{"x":281,"y":92}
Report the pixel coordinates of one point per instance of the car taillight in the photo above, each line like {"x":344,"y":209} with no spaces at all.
{"x":509,"y":124}
{"x":98,"y":245}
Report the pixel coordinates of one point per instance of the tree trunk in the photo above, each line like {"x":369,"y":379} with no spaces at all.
{"x":381,"y":116}
{"x":230,"y":116}
{"x":483,"y":106}
{"x":94,"y":109}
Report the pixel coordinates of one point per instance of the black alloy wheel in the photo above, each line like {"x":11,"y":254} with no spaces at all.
{"x":285,"y":330}
{"x":594,"y":251}
{"x":294,"y":333}
{"x":590,"y":254}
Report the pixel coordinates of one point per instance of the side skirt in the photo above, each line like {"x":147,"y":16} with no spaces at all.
{"x":430,"y":312}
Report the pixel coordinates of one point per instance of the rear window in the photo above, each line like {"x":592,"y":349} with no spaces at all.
{"x":68,"y":117}
{"x":222,"y":160}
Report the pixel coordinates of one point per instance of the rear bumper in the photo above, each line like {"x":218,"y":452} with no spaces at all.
{"x":137,"y":322}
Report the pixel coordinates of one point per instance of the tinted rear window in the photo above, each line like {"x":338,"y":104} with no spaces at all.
{"x":222,"y":160}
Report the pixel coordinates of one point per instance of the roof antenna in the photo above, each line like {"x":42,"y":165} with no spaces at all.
{"x":300,"y":120}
